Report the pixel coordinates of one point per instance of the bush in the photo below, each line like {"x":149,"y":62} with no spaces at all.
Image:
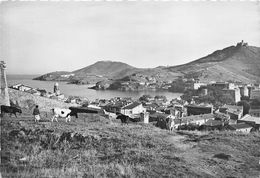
{"x":30,"y":104}
{"x":246,"y":106}
{"x":177,"y":86}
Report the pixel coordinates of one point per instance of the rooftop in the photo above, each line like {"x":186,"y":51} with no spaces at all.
{"x":132,"y":105}
{"x":194,"y":118}
{"x":239,"y":126}
{"x":232,"y":107}
{"x":200,"y":106}
{"x":156,"y":114}
{"x":249,"y":118}
{"x":213,"y":123}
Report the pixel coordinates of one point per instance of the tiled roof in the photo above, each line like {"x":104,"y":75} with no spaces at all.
{"x":233,"y":107}
{"x":131,"y":106}
{"x":198,"y":117}
{"x":200,"y":106}
{"x":249,"y":118}
{"x":213,"y":123}
{"x":159,"y":115}
{"x":239,"y":126}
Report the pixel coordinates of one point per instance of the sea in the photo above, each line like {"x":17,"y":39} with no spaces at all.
{"x":83,"y":90}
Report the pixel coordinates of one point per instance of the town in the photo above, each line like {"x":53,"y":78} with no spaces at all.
{"x":203,"y":106}
{"x":130,"y":89}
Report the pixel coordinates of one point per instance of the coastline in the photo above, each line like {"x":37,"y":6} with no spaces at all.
{"x":84,"y":91}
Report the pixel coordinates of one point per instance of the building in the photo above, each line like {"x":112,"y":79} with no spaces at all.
{"x":255,"y":94}
{"x":151,"y":106}
{"x":145,"y":117}
{"x":250,"y":120}
{"x":257,"y":86}
{"x":196,"y":119}
{"x":21,"y":87}
{"x":235,"y":112}
{"x":4,"y":95}
{"x":193,"y":120}
{"x":234,"y":93}
{"x":223,"y":85}
{"x":114,"y":107}
{"x":240,"y":127}
{"x":244,"y":91}
{"x":156,"y":116}
{"x":213,"y":125}
{"x":199,"y":109}
{"x":254,"y":112}
{"x":133,"y":109}
{"x":195,"y":85}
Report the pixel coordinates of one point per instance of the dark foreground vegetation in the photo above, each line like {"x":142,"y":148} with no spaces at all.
{"x":93,"y":146}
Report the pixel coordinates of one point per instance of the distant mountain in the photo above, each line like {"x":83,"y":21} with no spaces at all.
{"x":101,"y":70}
{"x":54,"y":76}
{"x":235,"y":63}
{"x":107,"y":69}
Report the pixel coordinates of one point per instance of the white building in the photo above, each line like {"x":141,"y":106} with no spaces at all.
{"x":133,"y":109}
{"x":235,"y":93}
{"x":21,"y":87}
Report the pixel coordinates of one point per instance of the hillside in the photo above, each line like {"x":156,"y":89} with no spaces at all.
{"x":28,"y":101}
{"x":235,"y":63}
{"x":108,"y":70}
{"x":92,"y":146}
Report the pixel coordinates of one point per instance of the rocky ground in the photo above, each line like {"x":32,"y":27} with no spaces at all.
{"x":93,"y":146}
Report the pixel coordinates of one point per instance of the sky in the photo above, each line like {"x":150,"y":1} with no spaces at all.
{"x":41,"y":37}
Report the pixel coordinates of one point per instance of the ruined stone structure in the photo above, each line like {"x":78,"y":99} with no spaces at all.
{"x":4,"y":95}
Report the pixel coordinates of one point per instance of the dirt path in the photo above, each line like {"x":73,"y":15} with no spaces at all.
{"x":191,"y":154}
{"x":178,"y":142}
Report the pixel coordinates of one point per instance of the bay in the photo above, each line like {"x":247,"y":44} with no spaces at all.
{"x":82,"y":90}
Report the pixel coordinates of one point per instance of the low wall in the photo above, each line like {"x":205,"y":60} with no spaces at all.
{"x":28,"y":101}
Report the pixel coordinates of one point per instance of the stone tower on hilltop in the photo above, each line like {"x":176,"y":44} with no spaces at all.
{"x":4,"y":95}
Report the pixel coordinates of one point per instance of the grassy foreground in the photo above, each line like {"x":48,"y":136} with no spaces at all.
{"x":93,"y":146}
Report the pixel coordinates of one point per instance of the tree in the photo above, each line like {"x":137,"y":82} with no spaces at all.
{"x":145,"y":98}
{"x":160,"y":97}
{"x":246,"y":106}
{"x":177,"y":86}
{"x":115,"y":86}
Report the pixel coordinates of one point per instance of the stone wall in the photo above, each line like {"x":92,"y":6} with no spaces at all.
{"x":28,"y":101}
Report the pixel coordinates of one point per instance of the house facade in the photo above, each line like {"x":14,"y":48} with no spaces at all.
{"x":251,"y":120}
{"x":133,"y":108}
{"x":240,"y":127}
{"x":234,"y":93}
{"x":235,"y":112}
{"x":254,"y":112}
{"x":195,"y":120}
{"x":199,"y":109}
{"x":255,"y":94}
